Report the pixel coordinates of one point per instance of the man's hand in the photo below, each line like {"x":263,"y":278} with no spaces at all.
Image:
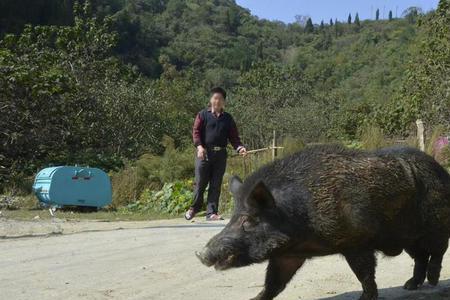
{"x":243,"y":151}
{"x":201,"y":152}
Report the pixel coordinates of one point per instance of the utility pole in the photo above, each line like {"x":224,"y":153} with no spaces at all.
{"x":274,"y":145}
{"x":420,"y":134}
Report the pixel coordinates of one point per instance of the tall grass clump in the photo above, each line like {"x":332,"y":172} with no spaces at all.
{"x":290,"y":146}
{"x":151,"y":172}
{"x":372,"y":137}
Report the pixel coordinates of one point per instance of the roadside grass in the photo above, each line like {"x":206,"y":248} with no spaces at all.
{"x":103,"y":215}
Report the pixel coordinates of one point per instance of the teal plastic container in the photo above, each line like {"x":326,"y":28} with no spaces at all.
{"x":73,"y":186}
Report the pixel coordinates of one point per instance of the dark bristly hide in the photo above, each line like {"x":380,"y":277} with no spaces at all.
{"x":328,"y":199}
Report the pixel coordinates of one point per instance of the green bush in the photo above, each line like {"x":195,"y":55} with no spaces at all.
{"x":174,"y":164}
{"x":356,"y":145}
{"x":173,"y":199}
{"x":152,"y":172}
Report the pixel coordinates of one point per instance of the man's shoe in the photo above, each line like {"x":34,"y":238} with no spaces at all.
{"x":214,"y":217}
{"x":190,"y":214}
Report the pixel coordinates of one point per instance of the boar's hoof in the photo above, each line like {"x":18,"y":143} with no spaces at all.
{"x":433,"y":274}
{"x":433,"y":279}
{"x":412,"y":285}
{"x":366,"y":296}
{"x":262,"y":296}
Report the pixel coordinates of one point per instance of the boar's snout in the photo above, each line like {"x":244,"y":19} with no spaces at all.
{"x":222,"y":262}
{"x":204,"y":258}
{"x":220,"y":252}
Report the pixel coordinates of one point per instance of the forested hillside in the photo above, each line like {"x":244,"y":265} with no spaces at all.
{"x":102,"y":82}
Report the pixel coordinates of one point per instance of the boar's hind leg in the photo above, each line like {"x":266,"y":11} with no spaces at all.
{"x":279,"y":272}
{"x":435,"y":264}
{"x":420,"y":257}
{"x":363,"y":265}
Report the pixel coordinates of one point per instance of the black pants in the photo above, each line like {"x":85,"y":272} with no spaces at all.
{"x":209,"y":171}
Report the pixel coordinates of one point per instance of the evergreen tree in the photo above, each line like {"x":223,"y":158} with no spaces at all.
{"x":349,"y":19}
{"x":309,"y":28}
{"x":331,"y":22}
{"x":357,"y":22}
{"x":337,"y":28}
{"x":259,"y":51}
{"x":322,"y":25}
{"x":425,"y":93}
{"x":443,"y":7}
{"x":377,"y":14}
{"x":390,"y":16}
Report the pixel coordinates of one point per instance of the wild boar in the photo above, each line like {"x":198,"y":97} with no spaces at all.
{"x":331,"y":200}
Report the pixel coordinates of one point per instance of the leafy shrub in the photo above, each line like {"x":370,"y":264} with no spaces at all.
{"x":372,"y":137}
{"x":174,"y":164}
{"x":152,"y":172}
{"x":174,"y":198}
{"x":356,"y":145}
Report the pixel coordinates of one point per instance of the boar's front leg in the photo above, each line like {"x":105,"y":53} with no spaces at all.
{"x":363,"y":265}
{"x":279,"y":272}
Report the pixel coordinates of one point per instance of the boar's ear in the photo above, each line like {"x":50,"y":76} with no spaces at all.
{"x":235,"y":184}
{"x":261,"y":196}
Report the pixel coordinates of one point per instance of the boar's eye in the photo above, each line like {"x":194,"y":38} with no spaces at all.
{"x":248,"y":223}
{"x":247,"y":226}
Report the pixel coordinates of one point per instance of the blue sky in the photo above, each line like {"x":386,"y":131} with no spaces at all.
{"x":286,"y":10}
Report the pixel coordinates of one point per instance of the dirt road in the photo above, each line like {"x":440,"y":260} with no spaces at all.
{"x":155,"y":260}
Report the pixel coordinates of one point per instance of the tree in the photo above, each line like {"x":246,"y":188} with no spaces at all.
{"x":377,"y":14}
{"x":309,"y":27}
{"x":62,"y":89}
{"x":390,"y":16}
{"x":302,"y":19}
{"x":337,"y":28}
{"x":270,"y":97}
{"x":260,"y":51}
{"x":425,"y":91}
{"x":412,"y":13}
{"x":349,"y":20}
{"x":322,"y":25}
{"x":357,"y":22}
{"x":63,"y":92}
{"x":232,"y":21}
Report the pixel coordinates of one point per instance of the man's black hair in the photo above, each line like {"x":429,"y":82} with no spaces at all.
{"x":219,"y":90}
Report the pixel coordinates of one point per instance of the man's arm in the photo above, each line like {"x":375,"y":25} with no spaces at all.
{"x":233,"y":137}
{"x":197,"y":131}
{"x":197,"y":137}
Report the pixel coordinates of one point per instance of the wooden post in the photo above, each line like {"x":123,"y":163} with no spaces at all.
{"x":274,"y":145}
{"x":420,"y":134}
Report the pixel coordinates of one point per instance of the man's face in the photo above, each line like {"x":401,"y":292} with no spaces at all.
{"x":217,"y":101}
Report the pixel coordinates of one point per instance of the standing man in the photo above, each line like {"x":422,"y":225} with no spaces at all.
{"x":213,"y":128}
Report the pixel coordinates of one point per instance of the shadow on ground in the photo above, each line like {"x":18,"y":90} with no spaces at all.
{"x":427,"y":292}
